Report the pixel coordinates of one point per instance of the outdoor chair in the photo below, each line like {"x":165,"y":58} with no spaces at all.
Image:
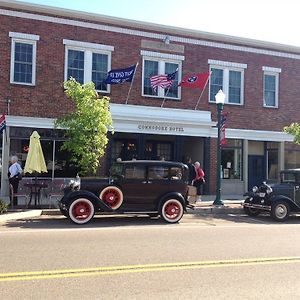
{"x":55,"y":191}
{"x":22,"y":193}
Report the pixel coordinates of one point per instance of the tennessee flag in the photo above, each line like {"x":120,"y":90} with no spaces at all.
{"x":197,"y":81}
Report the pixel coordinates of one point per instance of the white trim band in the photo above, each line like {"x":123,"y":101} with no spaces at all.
{"x":270,"y":69}
{"x":24,"y":36}
{"x":88,"y":45}
{"x":162,"y":55}
{"x":227,"y":64}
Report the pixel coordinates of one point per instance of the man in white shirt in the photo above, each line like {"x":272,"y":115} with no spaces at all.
{"x":13,"y":171}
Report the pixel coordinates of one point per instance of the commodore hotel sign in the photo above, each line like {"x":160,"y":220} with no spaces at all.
{"x":159,"y":128}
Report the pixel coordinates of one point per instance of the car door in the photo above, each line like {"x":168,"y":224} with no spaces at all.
{"x":136,"y":188}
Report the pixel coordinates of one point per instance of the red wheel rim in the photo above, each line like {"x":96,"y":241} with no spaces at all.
{"x":81,"y":210}
{"x":112,"y":197}
{"x":172,"y":210}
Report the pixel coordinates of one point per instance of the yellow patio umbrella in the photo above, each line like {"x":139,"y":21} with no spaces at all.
{"x":35,"y":162}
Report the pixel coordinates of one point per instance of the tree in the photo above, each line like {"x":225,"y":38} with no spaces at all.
{"x":294,"y":129}
{"x":87,"y":126}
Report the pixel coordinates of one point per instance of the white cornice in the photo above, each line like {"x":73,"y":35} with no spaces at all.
{"x":227,"y":64}
{"x":24,"y":36}
{"x":180,"y":35}
{"x":271,"y":69}
{"x":88,"y":45}
{"x":162,"y":55}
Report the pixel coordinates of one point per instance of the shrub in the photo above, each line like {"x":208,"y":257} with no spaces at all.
{"x":3,"y":207}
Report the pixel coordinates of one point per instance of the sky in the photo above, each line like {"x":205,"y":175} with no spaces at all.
{"x":268,"y":20}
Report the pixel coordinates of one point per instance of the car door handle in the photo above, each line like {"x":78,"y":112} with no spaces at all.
{"x":146,"y":181}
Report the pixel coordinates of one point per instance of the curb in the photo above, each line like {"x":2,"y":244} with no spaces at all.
{"x":20,"y":215}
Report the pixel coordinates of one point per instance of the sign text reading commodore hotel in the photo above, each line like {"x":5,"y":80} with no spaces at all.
{"x":160,"y":128}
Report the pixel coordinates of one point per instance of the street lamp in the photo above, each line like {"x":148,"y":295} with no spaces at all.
{"x":220,"y":99}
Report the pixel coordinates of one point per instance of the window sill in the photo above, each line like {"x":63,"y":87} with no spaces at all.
{"x":161,"y":98}
{"x":272,"y":107}
{"x":227,"y":103}
{"x":23,"y":83}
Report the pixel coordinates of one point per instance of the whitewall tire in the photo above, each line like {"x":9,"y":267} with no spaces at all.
{"x":172,"y":211}
{"x":112,"y":196}
{"x":81,"y":211}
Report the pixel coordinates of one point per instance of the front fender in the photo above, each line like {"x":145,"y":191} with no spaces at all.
{"x":174,"y":195}
{"x":98,"y":203}
{"x":292,"y":204}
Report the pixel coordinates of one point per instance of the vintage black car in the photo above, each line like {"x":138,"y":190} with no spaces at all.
{"x":279,"y":199}
{"x":154,"y":188}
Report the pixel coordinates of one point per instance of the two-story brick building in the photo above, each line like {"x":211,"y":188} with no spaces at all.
{"x":43,"y":46}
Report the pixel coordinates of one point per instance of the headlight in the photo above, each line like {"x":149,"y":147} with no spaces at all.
{"x":255,"y":189}
{"x":269,"y":190}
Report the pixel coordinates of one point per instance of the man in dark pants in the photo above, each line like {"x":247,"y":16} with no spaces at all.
{"x":192,"y":171}
{"x":14,"y":175}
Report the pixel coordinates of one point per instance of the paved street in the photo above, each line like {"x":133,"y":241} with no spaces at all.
{"x":203,"y":257}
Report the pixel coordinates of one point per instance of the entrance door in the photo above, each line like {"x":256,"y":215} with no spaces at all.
{"x":256,"y":170}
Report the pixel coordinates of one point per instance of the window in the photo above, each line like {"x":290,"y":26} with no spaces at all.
{"x":88,"y":62}
{"x":160,"y":63}
{"x":231,"y":159}
{"x":158,"y":172}
{"x":23,"y":58}
{"x":271,"y":81}
{"x":135,"y":172}
{"x":272,"y":160}
{"x":229,"y":77}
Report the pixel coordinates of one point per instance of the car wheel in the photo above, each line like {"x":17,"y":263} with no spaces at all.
{"x":81,"y":211}
{"x":112,"y":196}
{"x":280,"y":211}
{"x":171,"y":211}
{"x":252,"y":212}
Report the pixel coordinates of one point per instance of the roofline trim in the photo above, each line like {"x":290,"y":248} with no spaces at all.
{"x":150,"y":26}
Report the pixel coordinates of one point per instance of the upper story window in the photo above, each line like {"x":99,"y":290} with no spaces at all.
{"x":23,"y":58}
{"x":88,"y":62}
{"x":229,"y":77}
{"x":271,"y":84}
{"x":155,"y":63}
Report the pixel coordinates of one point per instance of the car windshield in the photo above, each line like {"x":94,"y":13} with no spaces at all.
{"x":288,"y":177}
{"x":116,"y":170}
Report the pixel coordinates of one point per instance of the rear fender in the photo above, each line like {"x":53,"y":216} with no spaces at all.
{"x":98,"y":203}
{"x":173,"y":195}
{"x":292,"y":204}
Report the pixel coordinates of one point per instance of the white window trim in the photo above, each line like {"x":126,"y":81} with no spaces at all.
{"x":228,"y":64}
{"x":271,"y":69}
{"x":161,"y":61}
{"x":26,"y":39}
{"x":160,"y":55}
{"x":276,"y":74}
{"x":88,"y":60}
{"x":225,"y":83}
{"x":87,"y":45}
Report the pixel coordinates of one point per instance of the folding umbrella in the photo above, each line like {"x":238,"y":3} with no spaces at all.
{"x":35,"y":162}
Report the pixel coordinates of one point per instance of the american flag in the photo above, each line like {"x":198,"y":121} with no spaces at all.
{"x":2,"y":123}
{"x":164,"y":81}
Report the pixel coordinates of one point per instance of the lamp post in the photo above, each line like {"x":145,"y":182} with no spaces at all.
{"x":220,"y":99}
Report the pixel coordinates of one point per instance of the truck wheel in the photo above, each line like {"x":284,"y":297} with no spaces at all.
{"x":112,"y":196}
{"x":81,"y":211}
{"x":171,"y":211}
{"x":280,"y":211}
{"x":252,"y":212}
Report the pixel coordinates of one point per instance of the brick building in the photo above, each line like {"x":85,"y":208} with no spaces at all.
{"x":42,"y":46}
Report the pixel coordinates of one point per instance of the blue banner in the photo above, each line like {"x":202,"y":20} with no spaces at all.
{"x":120,"y":75}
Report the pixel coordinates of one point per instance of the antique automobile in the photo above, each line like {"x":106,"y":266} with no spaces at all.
{"x":279,"y":199}
{"x":154,"y":188}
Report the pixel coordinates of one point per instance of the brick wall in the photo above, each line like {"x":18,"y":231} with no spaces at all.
{"x":47,"y":99}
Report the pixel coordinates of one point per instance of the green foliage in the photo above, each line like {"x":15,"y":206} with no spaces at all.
{"x":87,"y":126}
{"x":294,"y":129}
{"x":3,"y":207}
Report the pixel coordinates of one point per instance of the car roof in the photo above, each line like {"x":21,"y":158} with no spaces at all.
{"x":153,"y":162}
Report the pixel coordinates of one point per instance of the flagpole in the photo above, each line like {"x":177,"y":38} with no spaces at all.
{"x":137,"y":63}
{"x":165,"y":97}
{"x":202,"y":91}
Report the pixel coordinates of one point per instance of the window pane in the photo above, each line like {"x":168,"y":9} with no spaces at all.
{"x":173,"y":91}
{"x":135,"y":172}
{"x":231,"y":162}
{"x":76,"y":65}
{"x":234,"y":87}
{"x":216,"y":83}
{"x":158,"y":172}
{"x":99,"y":71}
{"x":272,"y":164}
{"x":150,"y":69}
{"x":23,"y":63}
{"x":176,"y":173}
{"x":270,"y":90}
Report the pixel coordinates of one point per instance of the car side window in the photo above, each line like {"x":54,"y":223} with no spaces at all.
{"x":135,"y":172}
{"x":158,"y":172}
{"x":176,"y":173}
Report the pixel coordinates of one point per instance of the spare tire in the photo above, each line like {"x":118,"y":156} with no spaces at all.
{"x":112,"y":196}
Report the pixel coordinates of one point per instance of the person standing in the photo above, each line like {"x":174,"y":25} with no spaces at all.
{"x":199,"y":180}
{"x":14,"y":176}
{"x":192,"y":170}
